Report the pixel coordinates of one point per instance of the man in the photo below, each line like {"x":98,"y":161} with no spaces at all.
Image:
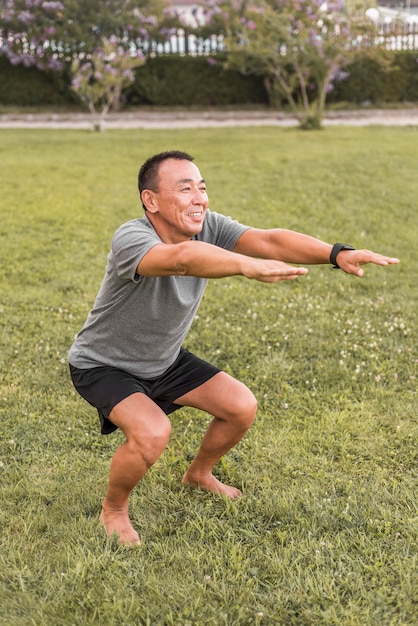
{"x":128,"y":359}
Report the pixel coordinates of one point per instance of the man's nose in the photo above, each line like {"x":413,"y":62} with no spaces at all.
{"x":199,"y":197}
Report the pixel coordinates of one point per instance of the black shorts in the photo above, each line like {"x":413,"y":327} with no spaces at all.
{"x":104,"y":387}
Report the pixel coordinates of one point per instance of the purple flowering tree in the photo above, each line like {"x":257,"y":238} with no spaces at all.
{"x":29,"y":31}
{"x":101,"y":41}
{"x":47,"y":33}
{"x":299,"y":46}
{"x":99,"y":78}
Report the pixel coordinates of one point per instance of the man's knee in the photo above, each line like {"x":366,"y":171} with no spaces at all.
{"x":151,"y":442}
{"x":244,"y":407}
{"x":251,"y":407}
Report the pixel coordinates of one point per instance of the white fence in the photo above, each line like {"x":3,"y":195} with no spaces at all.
{"x":391,"y":36}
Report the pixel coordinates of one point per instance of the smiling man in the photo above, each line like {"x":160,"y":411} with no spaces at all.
{"x":128,"y":360}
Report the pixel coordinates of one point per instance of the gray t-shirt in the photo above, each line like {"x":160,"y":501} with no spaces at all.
{"x":138,"y":323}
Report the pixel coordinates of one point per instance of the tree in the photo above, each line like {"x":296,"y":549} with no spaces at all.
{"x":28,"y":31}
{"x":299,"y":46}
{"x":49,"y":34}
{"x":77,"y":34}
{"x":132,"y":22}
{"x":99,"y":79}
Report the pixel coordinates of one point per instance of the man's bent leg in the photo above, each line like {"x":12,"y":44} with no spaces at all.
{"x":147,"y":430}
{"x":234,"y":408}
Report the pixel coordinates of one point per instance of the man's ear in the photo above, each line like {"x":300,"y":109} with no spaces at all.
{"x":149,"y":200}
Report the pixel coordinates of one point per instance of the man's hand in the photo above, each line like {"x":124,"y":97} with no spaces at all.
{"x":351,"y":260}
{"x":270,"y":271}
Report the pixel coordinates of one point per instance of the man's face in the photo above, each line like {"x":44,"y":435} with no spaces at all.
{"x":178,"y":209}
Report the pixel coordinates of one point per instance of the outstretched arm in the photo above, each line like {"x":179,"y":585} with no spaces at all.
{"x":292,"y":247}
{"x":196,"y":258}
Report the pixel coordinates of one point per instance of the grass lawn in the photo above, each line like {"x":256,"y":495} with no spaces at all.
{"x":326,"y":532}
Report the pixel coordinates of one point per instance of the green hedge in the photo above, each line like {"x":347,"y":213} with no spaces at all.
{"x":162,"y":81}
{"x":375,"y":78}
{"x":192,"y":81}
{"x":28,"y":86}
{"x":379,"y":77}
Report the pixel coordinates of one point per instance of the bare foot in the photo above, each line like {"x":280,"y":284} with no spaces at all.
{"x":118,"y":522}
{"x":212,"y":484}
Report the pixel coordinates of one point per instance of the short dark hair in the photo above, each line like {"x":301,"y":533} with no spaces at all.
{"x":148,"y":173}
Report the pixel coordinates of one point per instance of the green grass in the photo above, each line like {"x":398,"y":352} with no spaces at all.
{"x":326,"y":531}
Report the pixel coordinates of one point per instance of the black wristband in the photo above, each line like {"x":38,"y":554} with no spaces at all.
{"x":336,"y":249}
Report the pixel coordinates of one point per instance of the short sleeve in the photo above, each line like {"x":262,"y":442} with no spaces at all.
{"x":130,"y":243}
{"x":221,"y":230}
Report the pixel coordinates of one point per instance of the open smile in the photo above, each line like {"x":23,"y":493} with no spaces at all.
{"x":196,"y":215}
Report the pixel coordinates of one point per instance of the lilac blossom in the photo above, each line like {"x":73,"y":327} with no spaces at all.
{"x":53,"y":6}
{"x":26,"y":17}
